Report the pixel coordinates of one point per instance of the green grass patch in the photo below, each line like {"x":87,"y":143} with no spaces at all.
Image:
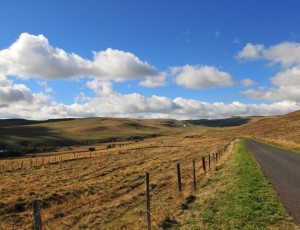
{"x":238,"y":197}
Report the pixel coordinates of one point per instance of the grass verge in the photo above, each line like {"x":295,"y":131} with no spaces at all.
{"x":237,"y":197}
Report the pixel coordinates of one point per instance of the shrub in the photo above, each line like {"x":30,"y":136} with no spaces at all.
{"x":111,"y":146}
{"x":91,"y":149}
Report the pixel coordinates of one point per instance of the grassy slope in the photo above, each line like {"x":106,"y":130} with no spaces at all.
{"x":115,"y":177}
{"x":238,"y":197}
{"x":82,"y":131}
{"x":282,"y":130}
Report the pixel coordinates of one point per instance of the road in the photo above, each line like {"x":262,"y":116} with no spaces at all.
{"x":282,"y":168}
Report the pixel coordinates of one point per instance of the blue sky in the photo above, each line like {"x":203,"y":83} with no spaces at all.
{"x":145,"y":59}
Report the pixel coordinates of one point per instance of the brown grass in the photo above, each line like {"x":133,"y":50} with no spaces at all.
{"x":106,"y":191}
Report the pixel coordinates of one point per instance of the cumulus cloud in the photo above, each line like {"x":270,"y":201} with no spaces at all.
{"x":286,"y":53}
{"x":136,"y":106}
{"x":33,"y":56}
{"x":154,"y":81}
{"x":251,"y":52}
{"x":10,"y":92}
{"x":247,"y":82}
{"x":201,"y":77}
{"x":17,"y":100}
{"x":120,"y":65}
{"x":103,"y":88}
{"x":286,"y":83}
{"x":44,"y":84}
{"x":286,"y":87}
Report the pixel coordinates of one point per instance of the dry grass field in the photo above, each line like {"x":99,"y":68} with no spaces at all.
{"x":281,"y":130}
{"x":107,"y":190}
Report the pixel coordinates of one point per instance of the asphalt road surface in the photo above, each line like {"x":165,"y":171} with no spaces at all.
{"x":282,"y":168}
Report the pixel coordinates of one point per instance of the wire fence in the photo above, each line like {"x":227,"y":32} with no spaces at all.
{"x":161,"y":208}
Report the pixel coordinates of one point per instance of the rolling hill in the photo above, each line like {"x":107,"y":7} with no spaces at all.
{"x":23,"y":136}
{"x":282,"y":130}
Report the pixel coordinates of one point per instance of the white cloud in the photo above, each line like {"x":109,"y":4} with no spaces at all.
{"x":247,"y":82}
{"x":201,"y":77}
{"x":44,"y":84}
{"x":120,"y":65}
{"x":33,"y":56}
{"x":81,"y":97}
{"x":103,"y":88}
{"x":289,"y":77}
{"x":251,"y":52}
{"x":154,"y":81}
{"x":133,"y":105}
{"x":286,"y":54}
{"x":10,"y":92}
{"x":286,"y":87}
{"x":286,"y":84}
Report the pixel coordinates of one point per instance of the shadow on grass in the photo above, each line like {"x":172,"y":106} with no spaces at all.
{"x":228,"y":122}
{"x":20,"y":122}
{"x":19,"y":140}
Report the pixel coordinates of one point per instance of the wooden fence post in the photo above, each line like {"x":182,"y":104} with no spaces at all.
{"x":37,"y":219}
{"x":209,"y":161}
{"x":194,"y":175}
{"x":148,"y":201}
{"x":203,"y":165}
{"x":179,"y":178}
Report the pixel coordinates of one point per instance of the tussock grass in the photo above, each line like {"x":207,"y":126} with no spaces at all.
{"x":238,"y":197}
{"x":111,"y":184}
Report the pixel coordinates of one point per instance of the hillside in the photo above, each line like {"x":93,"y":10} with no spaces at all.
{"x":35,"y":136}
{"x":282,"y":130}
{"x":226,"y":122}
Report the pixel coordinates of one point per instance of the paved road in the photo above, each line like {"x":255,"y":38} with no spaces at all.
{"x":282,"y":168}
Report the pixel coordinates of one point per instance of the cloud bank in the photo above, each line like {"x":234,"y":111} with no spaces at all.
{"x":286,"y":83}
{"x":33,"y":56}
{"x":201,"y":77}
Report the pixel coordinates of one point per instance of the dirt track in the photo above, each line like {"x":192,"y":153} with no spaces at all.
{"x":282,"y":168}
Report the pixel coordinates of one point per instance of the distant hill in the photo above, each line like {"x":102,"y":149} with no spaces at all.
{"x":19,"y":122}
{"x":34,"y":136}
{"x":226,"y":122}
{"x":283,"y":129}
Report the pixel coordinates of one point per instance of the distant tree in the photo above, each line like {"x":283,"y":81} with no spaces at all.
{"x":91,"y":149}
{"x":111,"y":146}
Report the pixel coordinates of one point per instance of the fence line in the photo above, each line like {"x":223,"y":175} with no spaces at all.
{"x":206,"y":160}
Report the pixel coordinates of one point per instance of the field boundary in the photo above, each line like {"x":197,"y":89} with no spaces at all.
{"x":201,"y":169}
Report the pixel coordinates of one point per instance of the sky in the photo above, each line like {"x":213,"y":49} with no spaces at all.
{"x":149,"y":59}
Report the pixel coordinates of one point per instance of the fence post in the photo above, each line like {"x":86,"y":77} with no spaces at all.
{"x":179,"y":178}
{"x":148,"y":201}
{"x":37,"y":221}
{"x":194,"y":175}
{"x":203,"y":165}
{"x":209,"y":161}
